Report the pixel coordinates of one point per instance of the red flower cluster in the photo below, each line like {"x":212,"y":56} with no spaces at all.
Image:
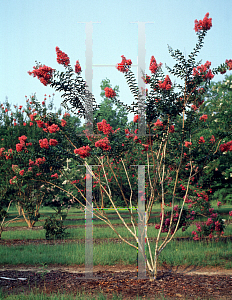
{"x":153,"y":65}
{"x":66,"y":115}
{"x":21,"y":172}
{"x":13,"y":180}
{"x":40,"y":123}
{"x":204,"y":24}
{"x":172,"y":129}
{"x":55,"y":176}
{"x":109,"y":93}
{"x":83,"y":151}
{"x":187,"y":144}
{"x":136,"y":118}
{"x":229,"y":64}
{"x":53,"y":128}
{"x":77,"y":67}
{"x":203,"y":117}
{"x":103,"y":126}
{"x":63,"y":123}
{"x":62,"y":58}
{"x":39,"y":161}
{"x":158,"y":123}
{"x":43,"y":73}
{"x":53,"y":142}
{"x":21,"y":146}
{"x":166,"y":85}
{"x":226,"y":147}
{"x":201,"y":140}
{"x":103,"y":143}
{"x":32,"y":117}
{"x":212,"y":140}
{"x":203,"y":71}
{"x":122,"y":66}
{"x":44,"y":143}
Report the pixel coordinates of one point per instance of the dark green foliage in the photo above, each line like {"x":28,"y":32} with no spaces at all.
{"x":55,"y":228}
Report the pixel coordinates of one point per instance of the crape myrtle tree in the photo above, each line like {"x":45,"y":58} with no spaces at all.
{"x":17,"y":129}
{"x":177,"y":154}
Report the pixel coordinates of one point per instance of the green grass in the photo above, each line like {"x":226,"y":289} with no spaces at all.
{"x":191,"y":253}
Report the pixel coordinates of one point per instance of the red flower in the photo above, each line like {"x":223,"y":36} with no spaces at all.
{"x":77,"y":67}
{"x":136,"y":118}
{"x":62,"y":58}
{"x":24,"y":124}
{"x":63,"y":123}
{"x":229,"y":63}
{"x":54,"y":175}
{"x":83,"y":151}
{"x":44,"y":143}
{"x":203,"y":71}
{"x":13,"y":180}
{"x":103,"y":126}
{"x":201,"y":140}
{"x":53,"y":128}
{"x":109,"y":93}
{"x":230,"y":213}
{"x":19,"y":147}
{"x":103,"y":143}
{"x":122,"y":66}
{"x":212,"y":140}
{"x":203,"y":117}
{"x":43,"y":73}
{"x":158,"y":123}
{"x":226,"y":147}
{"x":43,"y":103}
{"x":21,"y":172}
{"x":66,"y":115}
{"x":172,"y":129}
{"x":187,"y":144}
{"x":31,"y":124}
{"x":39,"y":161}
{"x":53,"y":142}
{"x":194,"y":107}
{"x":204,"y":24}
{"x":146,"y":79}
{"x":153,"y":65}
{"x":166,"y":85}
{"x":40,"y":123}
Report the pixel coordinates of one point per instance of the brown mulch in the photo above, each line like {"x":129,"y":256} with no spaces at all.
{"x":170,"y":283}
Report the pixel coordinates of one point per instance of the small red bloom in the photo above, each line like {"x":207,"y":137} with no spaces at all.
{"x":187,"y":144}
{"x":43,"y":73}
{"x":153,"y":65}
{"x":229,"y":63}
{"x":83,"y":151}
{"x":166,"y":85}
{"x":204,"y":24}
{"x":54,"y":175}
{"x":77,"y":67}
{"x":62,"y":58}
{"x":63,"y":123}
{"x":109,"y":92}
{"x":44,"y":143}
{"x":21,"y":172}
{"x":203,"y":117}
{"x":53,"y":142}
{"x":53,"y":128}
{"x":136,"y":118}
{"x":122,"y":66}
{"x":19,"y":147}
{"x":201,"y":140}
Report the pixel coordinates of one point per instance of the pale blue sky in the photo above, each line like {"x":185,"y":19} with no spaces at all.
{"x":31,"y":29}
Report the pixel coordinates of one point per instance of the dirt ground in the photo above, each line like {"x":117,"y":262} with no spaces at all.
{"x":172,"y":282}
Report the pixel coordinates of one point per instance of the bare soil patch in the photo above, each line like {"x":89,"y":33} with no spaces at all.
{"x":172,"y":282}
